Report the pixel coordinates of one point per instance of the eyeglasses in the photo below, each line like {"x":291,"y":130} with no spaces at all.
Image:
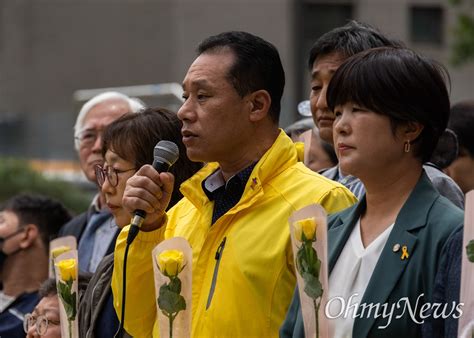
{"x":111,"y":173}
{"x":87,"y":138}
{"x":41,"y":322}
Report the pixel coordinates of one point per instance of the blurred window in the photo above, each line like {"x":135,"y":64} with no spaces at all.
{"x":313,"y":19}
{"x":426,"y":24}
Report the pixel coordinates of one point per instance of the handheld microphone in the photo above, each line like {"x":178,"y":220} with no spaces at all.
{"x":165,"y":154}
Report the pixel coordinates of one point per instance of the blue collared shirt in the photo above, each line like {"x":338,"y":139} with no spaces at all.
{"x":350,"y":182}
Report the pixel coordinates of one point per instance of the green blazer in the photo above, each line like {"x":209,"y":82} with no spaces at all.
{"x":423,"y":225}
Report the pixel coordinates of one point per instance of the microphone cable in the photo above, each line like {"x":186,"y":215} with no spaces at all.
{"x":121,"y":329}
{"x":165,"y":155}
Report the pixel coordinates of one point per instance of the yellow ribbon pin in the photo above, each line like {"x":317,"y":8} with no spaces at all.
{"x":254,"y":183}
{"x":405,"y":254}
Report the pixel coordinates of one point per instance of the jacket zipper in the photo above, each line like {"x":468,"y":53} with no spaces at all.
{"x":217,"y":257}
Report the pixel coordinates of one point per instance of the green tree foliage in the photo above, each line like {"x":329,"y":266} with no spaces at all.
{"x":16,"y":177}
{"x":463,"y":48}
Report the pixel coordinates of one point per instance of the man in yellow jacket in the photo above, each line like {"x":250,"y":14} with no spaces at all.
{"x":235,"y":210}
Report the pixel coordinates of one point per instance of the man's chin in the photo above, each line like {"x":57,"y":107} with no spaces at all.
{"x":90,"y":175}
{"x":195,"y":156}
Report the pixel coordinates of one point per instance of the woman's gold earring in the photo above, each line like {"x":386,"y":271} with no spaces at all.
{"x":407,"y":146}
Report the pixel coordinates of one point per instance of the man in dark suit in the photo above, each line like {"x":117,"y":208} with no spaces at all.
{"x":95,"y":229}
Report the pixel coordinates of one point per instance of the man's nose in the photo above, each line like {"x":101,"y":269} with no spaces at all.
{"x":31,"y":333}
{"x":321,"y":102}
{"x":97,"y":145}
{"x":187,"y":110}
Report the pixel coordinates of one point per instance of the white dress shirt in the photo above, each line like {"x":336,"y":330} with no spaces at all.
{"x":350,"y":277}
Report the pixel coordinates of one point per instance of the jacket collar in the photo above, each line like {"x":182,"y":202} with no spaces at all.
{"x":281,"y":155}
{"x":413,"y":215}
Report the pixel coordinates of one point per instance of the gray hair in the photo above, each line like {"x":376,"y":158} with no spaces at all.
{"x":135,"y":104}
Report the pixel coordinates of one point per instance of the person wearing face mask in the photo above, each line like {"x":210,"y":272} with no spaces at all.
{"x":27,"y":224}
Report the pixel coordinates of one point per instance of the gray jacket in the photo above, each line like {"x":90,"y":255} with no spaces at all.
{"x":95,"y":298}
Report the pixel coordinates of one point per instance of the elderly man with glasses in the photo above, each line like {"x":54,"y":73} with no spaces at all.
{"x":94,"y":229}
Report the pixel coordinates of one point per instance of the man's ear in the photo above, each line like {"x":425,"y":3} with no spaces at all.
{"x":30,"y":235}
{"x":259,"y":105}
{"x":411,"y":131}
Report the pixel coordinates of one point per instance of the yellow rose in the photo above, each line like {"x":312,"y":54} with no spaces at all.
{"x":170,"y":262}
{"x":60,"y":250}
{"x":307,"y":227}
{"x":67,"y":269}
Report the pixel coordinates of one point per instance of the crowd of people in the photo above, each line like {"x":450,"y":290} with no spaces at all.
{"x":368,"y":158}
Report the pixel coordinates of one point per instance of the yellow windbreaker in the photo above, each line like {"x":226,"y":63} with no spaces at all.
{"x":245,"y":289}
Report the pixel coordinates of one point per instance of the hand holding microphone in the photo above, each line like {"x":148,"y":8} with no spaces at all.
{"x":147,"y":193}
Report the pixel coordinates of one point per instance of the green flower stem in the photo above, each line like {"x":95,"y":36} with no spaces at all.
{"x":309,"y":251}
{"x":309,"y":265}
{"x":470,"y":251}
{"x":68,"y":299}
{"x":316,"y":312}
{"x":316,"y":317}
{"x":171,"y":319}
{"x":170,"y":300}
{"x":171,"y":324}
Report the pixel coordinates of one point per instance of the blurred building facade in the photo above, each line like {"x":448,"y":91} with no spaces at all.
{"x":49,"y":49}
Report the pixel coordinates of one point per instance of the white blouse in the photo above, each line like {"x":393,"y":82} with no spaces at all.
{"x":349,"y":278}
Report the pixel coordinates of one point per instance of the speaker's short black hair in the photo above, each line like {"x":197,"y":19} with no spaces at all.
{"x":257,"y":65}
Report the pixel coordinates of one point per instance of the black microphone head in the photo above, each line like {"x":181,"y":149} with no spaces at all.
{"x":166,"y":152}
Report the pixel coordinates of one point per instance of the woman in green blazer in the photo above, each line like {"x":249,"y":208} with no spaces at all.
{"x":390,"y":106}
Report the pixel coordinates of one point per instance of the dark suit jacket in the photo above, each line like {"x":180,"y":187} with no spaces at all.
{"x":76,"y":226}
{"x":423,"y":225}
{"x":447,"y":289}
